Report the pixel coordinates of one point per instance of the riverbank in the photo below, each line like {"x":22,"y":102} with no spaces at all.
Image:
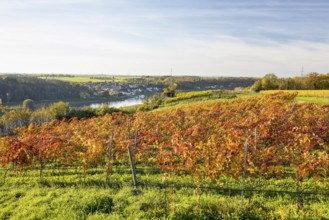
{"x":93,"y":102}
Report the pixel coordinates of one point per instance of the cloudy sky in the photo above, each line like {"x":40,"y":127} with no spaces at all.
{"x":193,"y":37}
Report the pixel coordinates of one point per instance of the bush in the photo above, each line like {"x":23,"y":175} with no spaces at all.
{"x":59,"y":109}
{"x":85,"y":112}
{"x":28,"y":104}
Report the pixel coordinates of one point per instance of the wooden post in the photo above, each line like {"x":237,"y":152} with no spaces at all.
{"x":244,"y":169}
{"x":110,"y":155}
{"x":5,"y":175}
{"x":132,"y":164}
{"x":254,"y":176}
{"x":128,"y":128}
{"x":111,"y":143}
{"x":158,"y":132}
{"x":300,"y":203}
{"x":136,"y":138}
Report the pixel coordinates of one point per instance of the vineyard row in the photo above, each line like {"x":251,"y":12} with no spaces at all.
{"x":207,"y":141}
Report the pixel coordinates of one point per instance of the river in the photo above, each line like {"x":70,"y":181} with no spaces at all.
{"x":118,"y":104}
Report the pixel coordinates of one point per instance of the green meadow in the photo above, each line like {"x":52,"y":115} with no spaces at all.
{"x":70,"y":194}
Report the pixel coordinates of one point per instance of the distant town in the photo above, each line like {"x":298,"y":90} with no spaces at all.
{"x":103,"y":89}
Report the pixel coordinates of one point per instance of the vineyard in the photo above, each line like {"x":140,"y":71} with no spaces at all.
{"x":206,"y":94}
{"x":304,"y":93}
{"x":261,"y":138}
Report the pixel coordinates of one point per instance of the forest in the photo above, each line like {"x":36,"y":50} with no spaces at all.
{"x":19,"y":88}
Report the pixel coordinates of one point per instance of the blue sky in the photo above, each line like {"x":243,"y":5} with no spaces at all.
{"x":193,"y":37}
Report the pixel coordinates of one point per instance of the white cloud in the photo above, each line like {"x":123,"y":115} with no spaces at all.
{"x":85,"y":36}
{"x":221,"y":56}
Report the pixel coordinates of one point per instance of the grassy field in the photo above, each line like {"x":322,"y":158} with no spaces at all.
{"x":302,"y":93}
{"x":85,"y":79}
{"x":77,"y":79}
{"x":67,"y":194}
{"x":299,"y":98}
{"x":188,"y":102}
{"x":313,"y":100}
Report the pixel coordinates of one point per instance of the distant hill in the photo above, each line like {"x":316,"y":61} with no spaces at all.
{"x":18,"y":88}
{"x":192,"y":83}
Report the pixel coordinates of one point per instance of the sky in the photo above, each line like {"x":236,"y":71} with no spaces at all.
{"x":151,"y":37}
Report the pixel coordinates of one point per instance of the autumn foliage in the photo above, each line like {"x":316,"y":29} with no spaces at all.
{"x":206,"y":141}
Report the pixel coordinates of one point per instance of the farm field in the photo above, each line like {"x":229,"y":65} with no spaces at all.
{"x":85,"y":79}
{"x":262,"y":145}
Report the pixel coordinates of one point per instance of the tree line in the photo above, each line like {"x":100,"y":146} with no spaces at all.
{"x":19,"y":88}
{"x":188,"y":83}
{"x":312,"y":81}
